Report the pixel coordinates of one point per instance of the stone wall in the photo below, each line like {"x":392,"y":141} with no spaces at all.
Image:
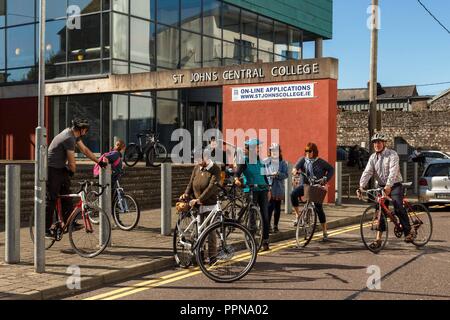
{"x":441,"y":104}
{"x":427,"y":129}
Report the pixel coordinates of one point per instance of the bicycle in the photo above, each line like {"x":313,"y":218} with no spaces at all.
{"x":125,"y":209}
{"x":248,"y":213}
{"x":152,"y":149}
{"x":229,"y":245}
{"x":376,"y":215}
{"x":82,"y":211}
{"x":307,"y":220}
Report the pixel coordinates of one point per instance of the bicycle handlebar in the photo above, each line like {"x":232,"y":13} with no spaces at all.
{"x":85,"y":184}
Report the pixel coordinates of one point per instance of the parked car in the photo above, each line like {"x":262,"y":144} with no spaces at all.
{"x":428,"y":156}
{"x":434,"y":185}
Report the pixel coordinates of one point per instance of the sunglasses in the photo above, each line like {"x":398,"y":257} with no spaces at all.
{"x":308,"y":151}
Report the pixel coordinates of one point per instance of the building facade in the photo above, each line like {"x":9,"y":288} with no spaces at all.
{"x":90,"y":42}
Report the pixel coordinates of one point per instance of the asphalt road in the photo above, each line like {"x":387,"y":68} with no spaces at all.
{"x":339,"y":269}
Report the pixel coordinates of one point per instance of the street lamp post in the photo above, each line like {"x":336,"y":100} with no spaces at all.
{"x":40,"y":168}
{"x":373,"y":71}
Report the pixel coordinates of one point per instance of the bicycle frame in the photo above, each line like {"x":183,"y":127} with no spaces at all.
{"x":381,"y":203}
{"x":202,"y":227}
{"x":80,"y":206}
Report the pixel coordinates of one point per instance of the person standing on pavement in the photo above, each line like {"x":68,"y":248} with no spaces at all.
{"x":314,"y":168}
{"x":62,"y":166}
{"x":277,"y":172}
{"x":384,"y":166}
{"x":253,"y":170}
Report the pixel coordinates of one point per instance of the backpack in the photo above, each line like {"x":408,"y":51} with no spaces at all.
{"x":97,"y":168}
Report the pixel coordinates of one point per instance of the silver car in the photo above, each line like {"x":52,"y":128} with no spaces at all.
{"x":434,"y":185}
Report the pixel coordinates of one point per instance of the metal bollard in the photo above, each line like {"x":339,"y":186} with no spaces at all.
{"x":288,"y":191}
{"x":166,"y":198}
{"x":105,"y":202}
{"x":338,"y":192}
{"x":416,"y":178}
{"x":12,"y":212}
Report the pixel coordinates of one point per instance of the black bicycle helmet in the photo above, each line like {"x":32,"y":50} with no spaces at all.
{"x":80,"y":123}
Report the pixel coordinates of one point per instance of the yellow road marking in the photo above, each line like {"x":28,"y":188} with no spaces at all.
{"x":149,"y":284}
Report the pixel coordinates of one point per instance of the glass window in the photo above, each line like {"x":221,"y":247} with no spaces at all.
{"x":295,"y":44}
{"x":85,"y":68}
{"x":120,"y":5}
{"x":106,"y":36}
{"x":119,"y":67}
{"x":231,"y":23}
{"x":2,"y":13}
{"x":120,"y":36}
{"x":20,"y":45}
{"x":53,"y":71}
{"x":279,"y":58}
{"x":168,"y":12}
{"x":24,"y":74}
{"x":140,"y":41}
{"x":231,"y":53}
{"x":265,"y":56}
{"x":55,"y":41}
{"x":143,"y":9}
{"x":168,"y":94}
{"x":309,"y":48}
{"x":281,"y":39}
{"x":248,"y":51}
{"x":167,"y":47}
{"x":265,"y":32}
{"x":211,"y":18}
{"x":20,"y":12}
{"x":84,"y":43}
{"x":142,"y":113}
{"x":2,"y":48}
{"x":191,"y":15}
{"x":55,"y":9}
{"x":119,"y":117}
{"x":87,"y":106}
{"x":249,"y":27}
{"x":191,"y":50}
{"x":86,"y":6}
{"x":167,"y":121}
{"x":212,"y":52}
{"x":139,"y":68}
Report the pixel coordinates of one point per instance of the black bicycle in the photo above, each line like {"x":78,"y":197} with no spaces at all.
{"x":149,"y":146}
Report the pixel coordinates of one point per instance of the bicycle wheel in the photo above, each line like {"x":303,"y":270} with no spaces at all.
{"x":126,"y":212}
{"x":306,"y":226}
{"x":157,"y":155}
{"x":132,"y":155}
{"x":252,"y":220}
{"x":370,"y":226}
{"x":94,"y":201}
{"x":48,"y":242}
{"x":230,"y":249}
{"x":85,"y":237}
{"x":184,"y":237}
{"x":421,"y":222}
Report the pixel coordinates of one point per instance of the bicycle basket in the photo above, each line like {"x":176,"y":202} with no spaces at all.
{"x":314,"y":194}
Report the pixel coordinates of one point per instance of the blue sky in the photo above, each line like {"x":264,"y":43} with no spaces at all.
{"x":413,"y":47}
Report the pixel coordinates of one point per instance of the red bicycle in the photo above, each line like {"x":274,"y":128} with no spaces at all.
{"x":375,"y":217}
{"x":83,"y":224}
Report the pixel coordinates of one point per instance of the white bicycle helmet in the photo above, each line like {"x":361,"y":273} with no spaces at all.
{"x":379,"y":136}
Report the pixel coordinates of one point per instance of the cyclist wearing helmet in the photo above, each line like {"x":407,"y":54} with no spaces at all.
{"x":384,"y":166}
{"x":254,"y":173}
{"x":62,"y":166}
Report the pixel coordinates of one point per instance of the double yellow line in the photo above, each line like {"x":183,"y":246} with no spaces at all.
{"x":173,"y":277}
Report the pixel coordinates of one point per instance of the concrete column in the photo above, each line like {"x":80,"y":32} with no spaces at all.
{"x":105,"y":203}
{"x":405,"y":171}
{"x":166,"y":198}
{"x":338,"y":177}
{"x":319,"y":48}
{"x":12,"y":214}
{"x":288,"y":190}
